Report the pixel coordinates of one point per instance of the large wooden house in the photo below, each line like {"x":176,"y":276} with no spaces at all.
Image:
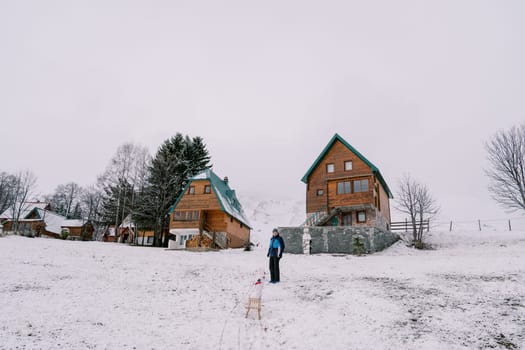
{"x":346,"y":189}
{"x":208,"y":214}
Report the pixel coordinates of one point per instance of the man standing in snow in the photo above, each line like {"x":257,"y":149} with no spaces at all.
{"x":275,"y":253}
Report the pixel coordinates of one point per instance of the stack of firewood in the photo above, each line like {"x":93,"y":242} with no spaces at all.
{"x":199,"y":241}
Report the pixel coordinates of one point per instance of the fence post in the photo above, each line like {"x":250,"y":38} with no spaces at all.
{"x":406,"y":225}
{"x":428,"y":225}
{"x":450,"y":229}
{"x":510,"y":227}
{"x":479,"y":224}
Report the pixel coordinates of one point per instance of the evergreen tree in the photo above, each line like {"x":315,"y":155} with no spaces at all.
{"x":116,"y":202}
{"x":176,"y":160}
{"x":7,"y":186}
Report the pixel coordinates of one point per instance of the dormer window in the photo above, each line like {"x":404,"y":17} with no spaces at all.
{"x":207,"y":189}
{"x":348,"y":165}
{"x":330,"y":168}
{"x":191,"y":190}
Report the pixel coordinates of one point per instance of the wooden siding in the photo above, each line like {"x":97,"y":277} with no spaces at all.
{"x":146,"y":234}
{"x":238,"y":233}
{"x":77,"y":231}
{"x":339,"y":200}
{"x":37,"y":227}
{"x":384,"y":203}
{"x":320,"y":179}
{"x":210,"y":214}
{"x":199,"y":200}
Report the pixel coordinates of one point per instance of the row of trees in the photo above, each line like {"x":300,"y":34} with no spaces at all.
{"x":506,"y":173}
{"x":15,"y":190}
{"x":136,"y":184}
{"x":133,"y":183}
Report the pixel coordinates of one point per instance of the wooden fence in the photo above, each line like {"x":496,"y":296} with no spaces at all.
{"x":405,"y":226}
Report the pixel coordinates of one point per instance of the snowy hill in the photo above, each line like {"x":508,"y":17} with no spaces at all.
{"x":467,"y":293}
{"x":264,"y":215}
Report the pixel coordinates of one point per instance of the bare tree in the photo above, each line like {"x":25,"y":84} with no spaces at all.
{"x":90,"y":202}
{"x":65,"y":198}
{"x":506,"y":155}
{"x":7,"y":185}
{"x":415,"y":200}
{"x":23,"y":190}
{"x":125,"y":175}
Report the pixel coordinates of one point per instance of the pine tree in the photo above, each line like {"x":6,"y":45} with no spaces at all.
{"x":177,"y":159}
{"x":116,"y":202}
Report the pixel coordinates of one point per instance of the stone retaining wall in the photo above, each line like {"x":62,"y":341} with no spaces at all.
{"x":336,"y":239}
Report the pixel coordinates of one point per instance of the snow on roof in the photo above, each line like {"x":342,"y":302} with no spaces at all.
{"x":225,"y":195}
{"x":26,"y":209}
{"x":73,"y":223}
{"x":111,"y":231}
{"x":127,"y":222}
{"x":53,"y":221}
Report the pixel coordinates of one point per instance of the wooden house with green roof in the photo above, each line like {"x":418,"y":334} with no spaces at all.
{"x":208,"y":214}
{"x":346,"y":189}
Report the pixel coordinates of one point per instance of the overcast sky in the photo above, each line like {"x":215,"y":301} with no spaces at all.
{"x":415,"y":86}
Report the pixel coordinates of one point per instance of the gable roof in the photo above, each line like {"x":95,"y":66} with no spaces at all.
{"x":225,"y":195}
{"x":53,"y":220}
{"x":335,"y":138}
{"x":27,"y":208}
{"x":73,"y":223}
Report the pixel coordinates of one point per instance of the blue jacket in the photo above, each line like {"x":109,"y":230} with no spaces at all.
{"x":276,"y":247}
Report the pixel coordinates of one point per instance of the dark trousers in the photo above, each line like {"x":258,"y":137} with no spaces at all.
{"x":274,"y":269}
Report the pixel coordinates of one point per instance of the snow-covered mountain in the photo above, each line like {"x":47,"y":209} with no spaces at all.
{"x":265,"y":214}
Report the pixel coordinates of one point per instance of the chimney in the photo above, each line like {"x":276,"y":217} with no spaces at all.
{"x":226,"y":180}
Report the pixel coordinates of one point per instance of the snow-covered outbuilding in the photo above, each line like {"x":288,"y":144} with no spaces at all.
{"x":37,"y":219}
{"x":208,"y":213}
{"x":78,"y":229}
{"x":126,"y":233}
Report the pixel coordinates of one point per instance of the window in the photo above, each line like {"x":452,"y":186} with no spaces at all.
{"x":176,"y":215}
{"x":347,"y":219}
{"x":190,"y":216}
{"x":348,"y":165}
{"x":343,"y":187}
{"x":320,"y":192}
{"x":196,"y":215}
{"x":192,"y":190}
{"x":361,"y":216}
{"x":207,"y":189}
{"x":361,"y":185}
{"x":183,"y":215}
{"x":150,"y":240}
{"x":330,"y":168}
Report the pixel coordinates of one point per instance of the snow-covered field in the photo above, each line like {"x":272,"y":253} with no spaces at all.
{"x":468,"y":293}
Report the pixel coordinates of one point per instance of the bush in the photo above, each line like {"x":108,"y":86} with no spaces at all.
{"x":64,"y":234}
{"x":358,"y":248}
